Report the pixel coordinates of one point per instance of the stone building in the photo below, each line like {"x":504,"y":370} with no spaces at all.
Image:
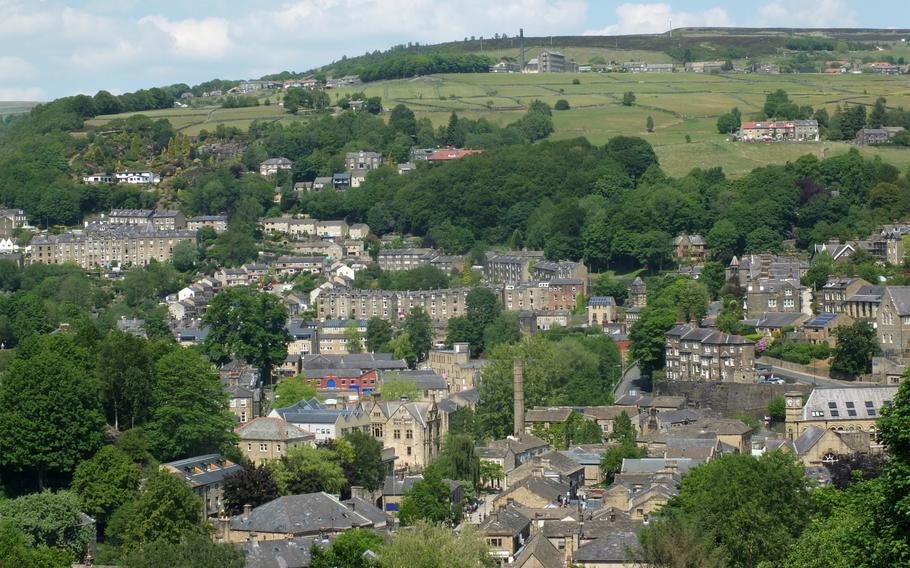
{"x":638,"y":294}
{"x":105,"y":245}
{"x":267,"y":438}
{"x":205,"y":476}
{"x":844,"y":409}
{"x":702,"y":354}
{"x":414,"y":430}
{"x":893,"y":323}
{"x":511,"y":267}
{"x":456,"y":366}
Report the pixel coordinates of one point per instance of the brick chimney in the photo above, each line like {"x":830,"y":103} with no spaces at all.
{"x":519,"y":399}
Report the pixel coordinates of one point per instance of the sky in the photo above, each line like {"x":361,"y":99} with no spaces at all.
{"x":54,"y":48}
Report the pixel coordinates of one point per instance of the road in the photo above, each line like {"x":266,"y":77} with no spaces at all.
{"x":630,"y":378}
{"x":805,"y":378}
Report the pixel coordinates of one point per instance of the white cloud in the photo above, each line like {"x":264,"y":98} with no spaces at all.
{"x":205,"y":38}
{"x":656,"y":18}
{"x":817,"y":14}
{"x":24,"y":94}
{"x":14,"y":68}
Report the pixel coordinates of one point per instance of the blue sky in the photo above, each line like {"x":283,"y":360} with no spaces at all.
{"x":52,"y":48}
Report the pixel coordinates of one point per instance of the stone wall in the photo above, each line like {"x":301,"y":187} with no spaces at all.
{"x":727,"y":398}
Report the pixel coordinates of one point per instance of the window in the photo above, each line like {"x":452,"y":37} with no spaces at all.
{"x":870,"y":408}
{"x":772,"y":302}
{"x":233,"y":403}
{"x":249,"y":447}
{"x":851,"y":409}
{"x":409,"y":450}
{"x":396,"y":434}
{"x":243,"y":402}
{"x":409,"y":434}
{"x":243,"y":417}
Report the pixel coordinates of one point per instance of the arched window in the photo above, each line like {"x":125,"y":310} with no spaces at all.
{"x":829,"y":457}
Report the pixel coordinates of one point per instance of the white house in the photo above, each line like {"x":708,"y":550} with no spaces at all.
{"x":137,"y":178}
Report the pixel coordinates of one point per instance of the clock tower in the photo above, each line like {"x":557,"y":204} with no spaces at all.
{"x":794,"y":413}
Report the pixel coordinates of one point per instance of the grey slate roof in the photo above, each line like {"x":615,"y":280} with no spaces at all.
{"x":284,"y":553}
{"x":300,"y":515}
{"x":653,"y":465}
{"x":541,"y":550}
{"x":274,"y":429}
{"x":847,"y":403}
{"x":368,"y":510}
{"x":609,"y":548}
{"x":900,"y":296}
{"x":506,"y":521}
{"x":204,"y":470}
{"x":601,"y":301}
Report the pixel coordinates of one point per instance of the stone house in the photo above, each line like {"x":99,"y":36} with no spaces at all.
{"x":821,"y":328}
{"x":834,"y":294}
{"x":702,"y":354}
{"x":267,"y":438}
{"x":601,"y":310}
{"x":205,"y":476}
{"x":414,"y":430}
{"x":690,"y":248}
{"x":272,"y":166}
{"x":893,"y":323}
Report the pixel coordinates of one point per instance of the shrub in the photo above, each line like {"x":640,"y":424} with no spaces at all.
{"x":561,"y":104}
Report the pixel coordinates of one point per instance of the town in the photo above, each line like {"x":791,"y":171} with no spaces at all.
{"x":361,"y":338}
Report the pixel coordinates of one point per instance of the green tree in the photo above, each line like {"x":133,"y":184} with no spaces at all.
{"x":648,"y":337}
{"x":366,"y":468}
{"x":254,"y":485}
{"x":185,"y":255}
{"x":764,"y":239}
{"x":124,"y":369}
{"x":504,"y":329}
{"x":105,"y":482}
{"x":459,"y":460}
{"x":428,"y":500}
{"x":395,"y":387}
{"x":561,"y":104}
{"x":16,"y":551}
{"x":727,"y":123}
{"x":611,"y":462}
{"x":51,"y":520}
{"x":52,"y":418}
{"x":379,"y":333}
{"x":248,"y":324}
{"x":308,"y":470}
{"x":189,"y":415}
{"x":856,"y":344}
{"x":723,"y":240}
{"x":713,"y":276}
{"x":292,"y":390}
{"x":649,"y":123}
{"x":628,"y":99}
{"x":747,"y":510}
{"x":402,"y":120}
{"x":820,"y":270}
{"x":348,"y":550}
{"x":352,"y":335}
{"x":402,"y":348}
{"x":623,"y":430}
{"x":192,"y":551}
{"x":633,"y":153}
{"x":419,"y":331}
{"x":777,"y":409}
{"x":166,"y":510}
{"x":491,"y":474}
{"x":429,"y":545}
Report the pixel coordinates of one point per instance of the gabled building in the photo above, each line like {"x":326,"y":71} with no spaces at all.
{"x":205,"y":476}
{"x":690,"y":248}
{"x":601,"y":310}
{"x":703,"y":354}
{"x":295,"y":516}
{"x":833,"y":296}
{"x":846,"y":409}
{"x":272,"y":166}
{"x":267,"y":438}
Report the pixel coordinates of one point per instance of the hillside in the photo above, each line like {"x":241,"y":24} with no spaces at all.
{"x":681,"y":104}
{"x":763,"y":45}
{"x":9,"y":108}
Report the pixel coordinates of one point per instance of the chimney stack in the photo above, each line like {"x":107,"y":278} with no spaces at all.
{"x":519,"y":399}
{"x":521,"y":46}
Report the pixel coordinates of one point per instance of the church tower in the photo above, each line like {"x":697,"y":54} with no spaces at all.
{"x":794,"y":413}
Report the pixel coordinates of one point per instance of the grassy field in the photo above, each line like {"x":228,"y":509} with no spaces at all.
{"x":15,"y":107}
{"x":681,"y":104}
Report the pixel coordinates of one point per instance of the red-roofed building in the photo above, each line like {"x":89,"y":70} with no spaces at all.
{"x":447,"y":154}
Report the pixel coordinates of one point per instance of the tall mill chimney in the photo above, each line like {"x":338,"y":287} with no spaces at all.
{"x":519,"y":399}
{"x":521,"y":46}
